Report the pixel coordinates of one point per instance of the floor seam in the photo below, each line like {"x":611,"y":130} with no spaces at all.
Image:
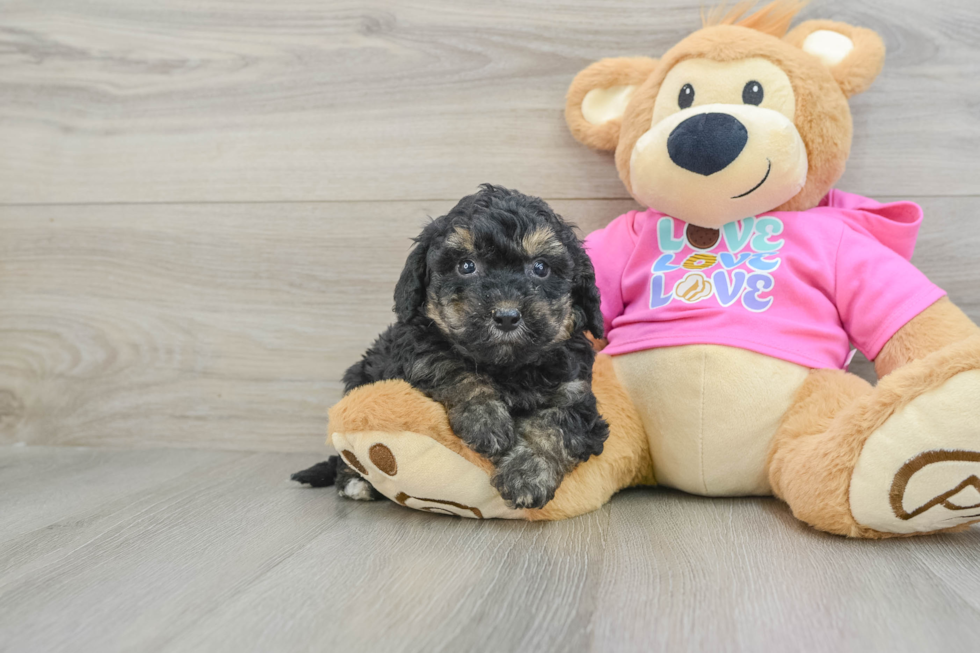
{"x":385,"y":201}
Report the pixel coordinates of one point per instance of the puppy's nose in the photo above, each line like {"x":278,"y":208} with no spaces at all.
{"x":707,"y":142}
{"x":507,"y":319}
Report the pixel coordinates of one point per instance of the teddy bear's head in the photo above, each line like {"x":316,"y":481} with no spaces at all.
{"x":737,"y":119}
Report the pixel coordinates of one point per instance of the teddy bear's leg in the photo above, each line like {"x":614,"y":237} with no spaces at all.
{"x":401,"y":442}
{"x":901,"y":458}
{"x":812,"y":456}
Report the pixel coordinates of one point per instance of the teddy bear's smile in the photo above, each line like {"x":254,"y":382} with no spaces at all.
{"x":756,"y":187}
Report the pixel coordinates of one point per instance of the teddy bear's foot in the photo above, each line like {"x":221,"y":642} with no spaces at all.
{"x":400,"y":442}
{"x":919,"y":469}
{"x":415,"y":471}
{"x":899,"y":458}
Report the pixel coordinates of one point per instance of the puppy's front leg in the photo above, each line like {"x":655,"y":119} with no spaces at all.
{"x":478,"y":416}
{"x":551,"y":442}
{"x":528,"y":475}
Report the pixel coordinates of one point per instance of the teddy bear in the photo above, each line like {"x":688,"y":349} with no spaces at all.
{"x":730,"y":305}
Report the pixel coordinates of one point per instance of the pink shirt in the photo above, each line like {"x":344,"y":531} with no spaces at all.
{"x":793,"y":285}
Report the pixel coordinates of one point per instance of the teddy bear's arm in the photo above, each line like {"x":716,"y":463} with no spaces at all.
{"x":940,"y":325}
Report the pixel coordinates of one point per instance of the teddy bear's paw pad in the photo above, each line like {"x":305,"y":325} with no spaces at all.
{"x":416,"y":471}
{"x":920,"y":471}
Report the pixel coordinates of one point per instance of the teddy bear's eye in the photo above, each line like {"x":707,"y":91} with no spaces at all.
{"x":752,"y":93}
{"x":686,"y":97}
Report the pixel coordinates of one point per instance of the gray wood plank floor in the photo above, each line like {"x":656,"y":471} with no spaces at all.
{"x":176,"y":550}
{"x":123,"y":101}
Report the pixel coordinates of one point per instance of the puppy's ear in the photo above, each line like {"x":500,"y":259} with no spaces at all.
{"x":585,"y":295}
{"x":410,"y":289}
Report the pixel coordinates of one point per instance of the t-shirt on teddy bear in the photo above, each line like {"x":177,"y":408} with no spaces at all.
{"x":794,"y":285}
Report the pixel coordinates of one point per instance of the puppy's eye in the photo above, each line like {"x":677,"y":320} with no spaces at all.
{"x":466,"y":266}
{"x":540,"y":269}
{"x":686,"y":97}
{"x":752,"y":93}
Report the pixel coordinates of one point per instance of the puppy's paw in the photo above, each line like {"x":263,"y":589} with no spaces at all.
{"x":525,"y":480}
{"x":357,"y":489}
{"x":486,"y":427}
{"x":351,"y":486}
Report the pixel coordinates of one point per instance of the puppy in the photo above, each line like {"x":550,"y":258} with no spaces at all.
{"x":493,"y":306}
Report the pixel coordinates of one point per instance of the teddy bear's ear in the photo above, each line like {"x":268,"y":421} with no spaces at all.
{"x":854,"y":55}
{"x":598,"y":97}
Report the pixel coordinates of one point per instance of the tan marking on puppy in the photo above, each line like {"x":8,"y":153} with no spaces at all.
{"x":540,"y":432}
{"x":461,"y":238}
{"x":448,"y":317}
{"x":567,"y":322}
{"x":477,"y":388}
{"x":542,"y":241}
{"x":432,"y":312}
{"x":456,"y":312}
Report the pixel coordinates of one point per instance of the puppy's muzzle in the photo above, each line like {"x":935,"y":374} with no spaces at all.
{"x":506,"y":319}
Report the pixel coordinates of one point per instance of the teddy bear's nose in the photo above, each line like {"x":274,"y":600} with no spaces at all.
{"x":707,"y":142}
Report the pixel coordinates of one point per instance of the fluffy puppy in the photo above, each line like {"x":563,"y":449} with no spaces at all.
{"x":493,"y":306}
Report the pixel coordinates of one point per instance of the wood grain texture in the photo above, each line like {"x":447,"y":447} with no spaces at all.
{"x":217,"y":551}
{"x":223,"y":326}
{"x":43,"y":485}
{"x":221,"y":100}
{"x":689,"y":573}
{"x":229,"y":326}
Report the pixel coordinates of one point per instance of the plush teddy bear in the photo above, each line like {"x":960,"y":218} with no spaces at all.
{"x":730,"y":303}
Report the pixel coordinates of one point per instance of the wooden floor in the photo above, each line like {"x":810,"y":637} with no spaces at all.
{"x":204,"y":207}
{"x":174,"y":550}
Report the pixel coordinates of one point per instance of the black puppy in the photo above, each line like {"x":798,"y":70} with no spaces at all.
{"x":493,"y":306}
